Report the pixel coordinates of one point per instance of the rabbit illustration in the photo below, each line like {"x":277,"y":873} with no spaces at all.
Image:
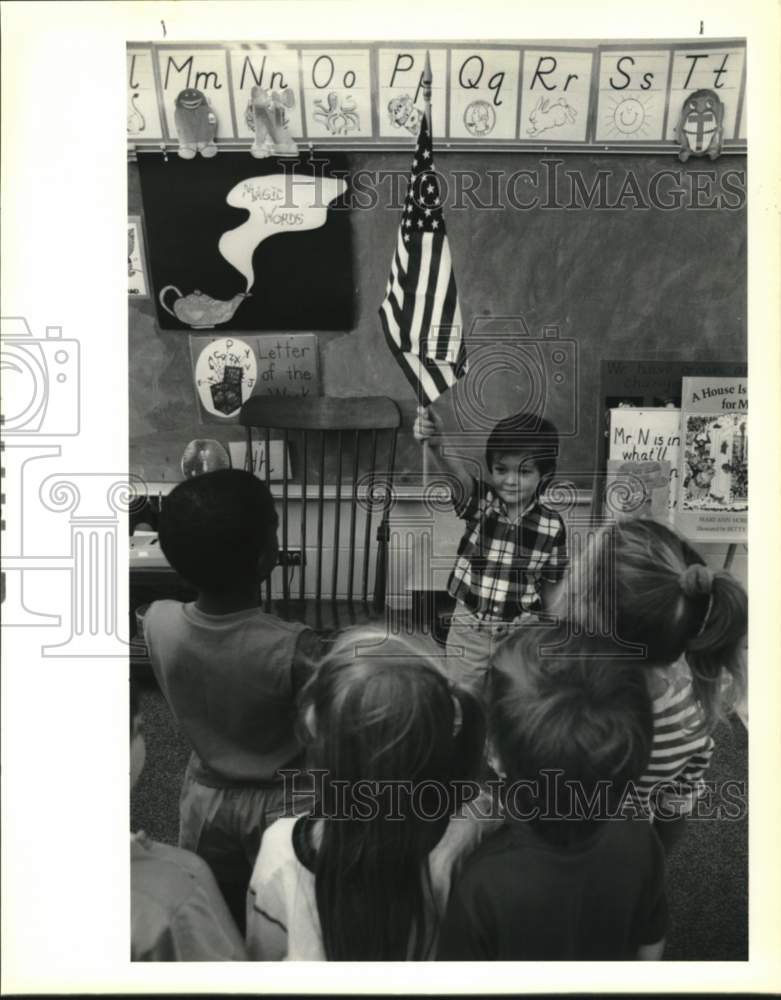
{"x":546,"y":115}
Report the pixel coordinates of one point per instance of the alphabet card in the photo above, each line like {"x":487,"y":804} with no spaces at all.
{"x":228,"y":370}
{"x":632,"y":95}
{"x":400,"y":101}
{"x":555,"y":95}
{"x":483,"y":93}
{"x":272,"y":69}
{"x":719,"y":70}
{"x":337,"y":93}
{"x":204,"y":70}
{"x":143,"y":113}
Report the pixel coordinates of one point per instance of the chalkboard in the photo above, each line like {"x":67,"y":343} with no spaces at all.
{"x":617,"y":257}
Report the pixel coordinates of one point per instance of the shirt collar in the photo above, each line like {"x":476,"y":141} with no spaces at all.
{"x":503,"y":509}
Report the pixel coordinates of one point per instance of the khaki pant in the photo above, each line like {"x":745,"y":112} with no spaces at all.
{"x":471,"y":643}
{"x":224,"y":826}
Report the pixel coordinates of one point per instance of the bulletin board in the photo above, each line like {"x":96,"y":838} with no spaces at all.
{"x":532,"y":95}
{"x":293,"y":271}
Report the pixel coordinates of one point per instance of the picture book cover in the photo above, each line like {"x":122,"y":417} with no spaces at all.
{"x":713,"y":503}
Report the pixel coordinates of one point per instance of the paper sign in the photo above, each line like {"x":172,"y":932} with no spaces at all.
{"x":555,"y":95}
{"x":272,"y":69}
{"x":714,"y":461}
{"x":196,"y":69}
{"x":136,"y":261}
{"x":400,"y":92}
{"x":337,"y":93}
{"x":483,"y":93}
{"x":143,"y":113}
{"x":632,"y":96}
{"x":719,"y":70}
{"x":647,"y":436}
{"x":277,"y":458}
{"x":228,"y":370}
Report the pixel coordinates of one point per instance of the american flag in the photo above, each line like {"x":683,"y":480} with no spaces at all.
{"x":420,"y":313}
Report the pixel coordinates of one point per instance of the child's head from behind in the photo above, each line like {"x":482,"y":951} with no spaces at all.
{"x":642,"y":583}
{"x":219,"y":530}
{"x":391,"y":736}
{"x":521,"y":453}
{"x":563,"y":703}
{"x":379,"y":709}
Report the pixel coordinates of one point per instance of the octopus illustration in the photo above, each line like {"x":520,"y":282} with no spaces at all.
{"x":339,"y":117}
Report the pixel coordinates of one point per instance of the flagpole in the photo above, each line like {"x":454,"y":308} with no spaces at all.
{"x":426,"y":87}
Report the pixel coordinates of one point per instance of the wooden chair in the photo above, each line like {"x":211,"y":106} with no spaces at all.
{"x":341,"y":454}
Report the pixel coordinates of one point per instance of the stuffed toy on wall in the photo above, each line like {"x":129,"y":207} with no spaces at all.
{"x":196,"y":125}
{"x":700,"y":130}
{"x":266,"y":116}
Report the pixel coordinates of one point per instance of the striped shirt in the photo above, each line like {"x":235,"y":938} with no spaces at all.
{"x":682,"y":749}
{"x":502,"y":563}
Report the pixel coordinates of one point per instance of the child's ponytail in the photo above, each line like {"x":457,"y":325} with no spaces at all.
{"x":718,"y":644}
{"x":649,"y":586}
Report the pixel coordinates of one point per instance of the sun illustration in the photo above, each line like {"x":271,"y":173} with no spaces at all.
{"x":630,"y":116}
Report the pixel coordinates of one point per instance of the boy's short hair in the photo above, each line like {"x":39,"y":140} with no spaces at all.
{"x":215,"y":528}
{"x":563,"y":702}
{"x":528,"y":434}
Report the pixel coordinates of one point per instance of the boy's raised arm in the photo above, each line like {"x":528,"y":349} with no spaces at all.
{"x":428,"y":430}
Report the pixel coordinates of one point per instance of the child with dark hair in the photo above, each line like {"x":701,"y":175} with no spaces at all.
{"x":229,"y":672}
{"x":643,"y":585}
{"x":176,"y":911}
{"x":514,"y":548}
{"x":564,"y":878}
{"x":366,"y":876}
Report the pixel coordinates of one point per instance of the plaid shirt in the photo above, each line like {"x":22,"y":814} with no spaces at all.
{"x":502,"y":564}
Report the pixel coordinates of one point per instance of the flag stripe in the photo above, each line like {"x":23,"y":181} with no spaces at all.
{"x":420,"y":314}
{"x":430,"y":312}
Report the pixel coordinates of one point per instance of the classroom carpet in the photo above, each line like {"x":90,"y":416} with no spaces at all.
{"x":707,"y":870}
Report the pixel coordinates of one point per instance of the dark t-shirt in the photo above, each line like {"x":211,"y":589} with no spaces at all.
{"x":520,"y":898}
